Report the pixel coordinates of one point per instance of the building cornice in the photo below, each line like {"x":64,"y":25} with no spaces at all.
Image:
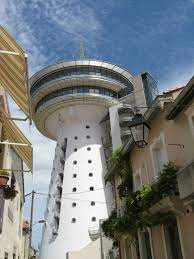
{"x":182,"y":101}
{"x":89,"y":62}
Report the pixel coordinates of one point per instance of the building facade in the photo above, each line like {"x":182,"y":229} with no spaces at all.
{"x":71,"y":102}
{"x":171,"y":138}
{"x":11,"y":211}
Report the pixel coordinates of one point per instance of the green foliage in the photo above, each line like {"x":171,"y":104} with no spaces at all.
{"x":120,"y":165}
{"x":137,"y":215}
{"x":115,"y":156}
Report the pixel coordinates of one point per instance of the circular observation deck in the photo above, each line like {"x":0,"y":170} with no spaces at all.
{"x":80,"y":82}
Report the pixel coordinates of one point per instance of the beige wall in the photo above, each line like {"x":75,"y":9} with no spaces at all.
{"x":181,"y":133}
{"x":186,"y":227}
{"x":158,"y":242}
{"x":11,"y":236}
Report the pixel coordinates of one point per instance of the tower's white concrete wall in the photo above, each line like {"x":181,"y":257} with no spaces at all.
{"x":74,"y":236}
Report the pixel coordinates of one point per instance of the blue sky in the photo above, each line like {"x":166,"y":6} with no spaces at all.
{"x":151,"y":35}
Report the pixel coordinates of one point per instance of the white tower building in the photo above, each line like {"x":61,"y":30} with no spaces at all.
{"x":70,"y":103}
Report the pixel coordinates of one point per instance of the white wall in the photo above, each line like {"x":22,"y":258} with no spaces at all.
{"x":115,"y":127}
{"x":74,"y":236}
{"x":11,"y":236}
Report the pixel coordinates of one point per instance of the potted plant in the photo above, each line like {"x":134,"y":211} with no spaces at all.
{"x":9,"y":193}
{"x":4,"y":177}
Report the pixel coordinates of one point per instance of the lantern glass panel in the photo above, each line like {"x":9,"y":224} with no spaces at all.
{"x":146,"y":133}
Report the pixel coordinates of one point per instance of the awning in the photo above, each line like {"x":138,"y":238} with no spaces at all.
{"x":13,"y":71}
{"x":18,"y":141}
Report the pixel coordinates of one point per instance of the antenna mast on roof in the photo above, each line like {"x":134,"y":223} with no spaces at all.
{"x":81,"y":49}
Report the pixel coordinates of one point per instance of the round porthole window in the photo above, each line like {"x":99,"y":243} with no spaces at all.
{"x":74,"y":204}
{"x":91,"y":188}
{"x":88,"y":136}
{"x":73,"y":220}
{"x":74,"y":189}
{"x":88,"y":148}
{"x":87,"y":126}
{"x":74,"y":162}
{"x":93,"y":219}
{"x":75,"y":137}
{"x":74,"y":175}
{"x":75,"y":149}
{"x":92,"y":203}
{"x":90,"y":174}
{"x":89,"y":161}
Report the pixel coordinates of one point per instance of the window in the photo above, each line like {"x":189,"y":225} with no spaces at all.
{"x":90,"y":174}
{"x":74,"y":204}
{"x":88,"y":136}
{"x":75,"y":137}
{"x":89,"y":148}
{"x":144,"y":175}
{"x":137,"y":180}
{"x":74,"y":189}
{"x":91,"y":188}
{"x":159,"y":154}
{"x":74,"y":162}
{"x":89,"y":161}
{"x":87,"y":126}
{"x":172,"y":240}
{"x":73,"y":220}
{"x":75,"y":149}
{"x":191,"y":122}
{"x":92,"y":203}
{"x":146,"y":244}
{"x":74,"y":175}
{"x":6,"y":256}
{"x":93,"y":219}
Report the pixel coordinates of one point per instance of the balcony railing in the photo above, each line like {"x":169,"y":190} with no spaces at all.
{"x":94,"y":233}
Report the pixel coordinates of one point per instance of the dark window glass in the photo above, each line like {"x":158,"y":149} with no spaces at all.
{"x":90,"y":174}
{"x":74,"y":175}
{"x":74,"y":162}
{"x":74,"y":189}
{"x":73,"y":220}
{"x":74,"y":90}
{"x":86,"y":89}
{"x":75,"y":149}
{"x":80,"y":89}
{"x":88,"y":136}
{"x":93,"y":218}
{"x":87,"y":126}
{"x":75,"y":137}
{"x":89,"y":148}
{"x":91,"y":90}
{"x":74,"y":204}
{"x":91,"y":188}
{"x":92,"y":203}
{"x":89,"y":161}
{"x":86,"y":70}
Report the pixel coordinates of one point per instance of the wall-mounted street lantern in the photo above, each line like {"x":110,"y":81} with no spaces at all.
{"x":139,"y":130}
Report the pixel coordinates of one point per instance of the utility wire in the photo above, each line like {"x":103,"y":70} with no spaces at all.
{"x":74,"y":199}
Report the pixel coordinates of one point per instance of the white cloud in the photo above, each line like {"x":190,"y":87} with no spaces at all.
{"x":177,"y":78}
{"x":71,"y":18}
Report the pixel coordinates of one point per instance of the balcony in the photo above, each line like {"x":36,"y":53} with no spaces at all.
{"x":185,"y":179}
{"x":125,"y":132}
{"x":125,"y":109}
{"x":170,"y":203}
{"x":106,"y":142}
{"x":62,"y":160}
{"x":94,"y":233}
{"x":55,"y":231}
